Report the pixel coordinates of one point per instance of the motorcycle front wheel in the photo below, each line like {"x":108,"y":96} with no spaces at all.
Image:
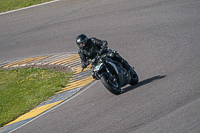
{"x":113,"y":87}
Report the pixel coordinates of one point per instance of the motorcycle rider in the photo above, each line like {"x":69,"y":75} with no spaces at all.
{"x":88,"y":48}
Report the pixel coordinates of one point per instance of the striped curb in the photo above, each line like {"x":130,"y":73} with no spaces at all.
{"x":79,"y":80}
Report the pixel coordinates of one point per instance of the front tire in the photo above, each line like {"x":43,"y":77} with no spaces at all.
{"x":112,"y":87}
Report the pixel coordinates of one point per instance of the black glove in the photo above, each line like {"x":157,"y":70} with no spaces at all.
{"x":104,"y":45}
{"x":84,"y":65}
{"x":101,"y":51}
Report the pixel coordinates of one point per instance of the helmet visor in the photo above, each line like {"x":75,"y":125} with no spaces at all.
{"x":82,"y":44}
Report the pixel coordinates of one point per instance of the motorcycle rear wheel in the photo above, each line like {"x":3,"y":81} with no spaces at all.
{"x":112,"y":87}
{"x":134,"y":78}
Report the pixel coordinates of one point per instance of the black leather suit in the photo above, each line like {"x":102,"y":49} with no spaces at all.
{"x":93,"y":45}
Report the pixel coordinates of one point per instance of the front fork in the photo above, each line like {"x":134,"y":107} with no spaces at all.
{"x":109,"y":75}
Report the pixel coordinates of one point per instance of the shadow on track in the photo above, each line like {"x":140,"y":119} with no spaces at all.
{"x":141,"y":83}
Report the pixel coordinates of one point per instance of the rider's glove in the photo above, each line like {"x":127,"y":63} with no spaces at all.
{"x":84,"y":65}
{"x":101,"y":51}
{"x":104,"y":45}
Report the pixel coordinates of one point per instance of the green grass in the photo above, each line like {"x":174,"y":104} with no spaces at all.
{"x":7,"y":5}
{"x":23,"y":89}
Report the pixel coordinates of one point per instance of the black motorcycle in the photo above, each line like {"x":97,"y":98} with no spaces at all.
{"x":111,"y":73}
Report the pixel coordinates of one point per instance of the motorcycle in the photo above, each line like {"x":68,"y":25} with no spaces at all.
{"x":111,"y":73}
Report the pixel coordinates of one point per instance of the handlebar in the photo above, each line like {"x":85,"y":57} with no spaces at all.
{"x":100,"y":52}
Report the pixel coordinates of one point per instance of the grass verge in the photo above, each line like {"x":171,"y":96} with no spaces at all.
{"x":23,"y":89}
{"x":7,"y":5}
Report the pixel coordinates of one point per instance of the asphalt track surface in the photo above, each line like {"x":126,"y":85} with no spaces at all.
{"x":160,"y":38}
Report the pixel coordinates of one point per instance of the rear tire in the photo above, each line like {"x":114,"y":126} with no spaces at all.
{"x":134,"y":78}
{"x":112,"y":87}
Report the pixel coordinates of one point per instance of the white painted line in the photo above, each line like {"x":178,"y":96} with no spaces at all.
{"x":29,"y":7}
{"x":56,"y":106}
